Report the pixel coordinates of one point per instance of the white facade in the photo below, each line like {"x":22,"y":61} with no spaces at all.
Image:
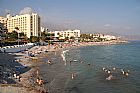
{"x":1,"y":29}
{"x":108,"y":37}
{"x":44,"y":29}
{"x":3,"y":23}
{"x":29,"y":24}
{"x":3,"y":20}
{"x":67,"y":33}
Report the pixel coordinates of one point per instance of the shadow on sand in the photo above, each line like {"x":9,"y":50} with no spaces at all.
{"x":9,"y":67}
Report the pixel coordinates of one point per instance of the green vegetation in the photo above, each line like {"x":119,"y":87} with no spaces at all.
{"x":34,"y":39}
{"x":92,"y":38}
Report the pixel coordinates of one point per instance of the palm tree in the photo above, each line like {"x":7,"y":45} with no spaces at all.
{"x":17,"y":29}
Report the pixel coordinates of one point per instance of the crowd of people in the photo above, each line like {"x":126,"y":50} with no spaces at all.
{"x":110,"y":73}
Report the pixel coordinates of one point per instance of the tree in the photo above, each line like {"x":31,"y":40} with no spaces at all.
{"x":66,"y":38}
{"x":34,"y":39}
{"x":43,"y":38}
{"x":13,"y":35}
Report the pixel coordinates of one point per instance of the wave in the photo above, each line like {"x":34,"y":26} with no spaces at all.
{"x":63,"y":55}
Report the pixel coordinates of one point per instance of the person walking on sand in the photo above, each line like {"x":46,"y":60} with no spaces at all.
{"x":41,"y":82}
{"x":37,"y":80}
{"x":37,"y":72}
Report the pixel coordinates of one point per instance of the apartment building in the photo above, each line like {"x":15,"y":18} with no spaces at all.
{"x":3,"y":20}
{"x":29,"y":24}
{"x":3,"y":23}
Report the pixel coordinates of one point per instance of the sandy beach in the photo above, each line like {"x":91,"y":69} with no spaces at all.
{"x":33,"y":67}
{"x":24,"y":67}
{"x":51,"y":74}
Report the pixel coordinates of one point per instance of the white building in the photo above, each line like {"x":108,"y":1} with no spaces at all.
{"x":3,"y":20}
{"x":108,"y":37}
{"x":44,"y":29}
{"x":29,"y":24}
{"x":3,"y":24}
{"x":67,"y":33}
{"x":2,"y":31}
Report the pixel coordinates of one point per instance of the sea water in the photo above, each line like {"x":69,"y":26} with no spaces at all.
{"x":89,"y":76}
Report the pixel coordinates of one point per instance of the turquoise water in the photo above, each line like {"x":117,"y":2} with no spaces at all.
{"x":92,"y":79}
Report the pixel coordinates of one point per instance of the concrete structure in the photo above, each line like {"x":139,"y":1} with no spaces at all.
{"x":3,"y":31}
{"x":3,"y":24}
{"x":27,"y":23}
{"x":67,"y":33}
{"x":3,"y":20}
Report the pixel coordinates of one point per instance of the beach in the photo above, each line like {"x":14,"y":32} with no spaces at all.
{"x":55,"y":76}
{"x":33,"y":64}
{"x":23,"y":66}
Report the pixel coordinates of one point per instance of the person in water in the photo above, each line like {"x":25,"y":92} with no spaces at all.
{"x":72,"y":76}
{"x":88,"y":64}
{"x":49,"y":62}
{"x":110,"y":77}
{"x":114,"y":68}
{"x":124,"y":72}
{"x":70,"y":62}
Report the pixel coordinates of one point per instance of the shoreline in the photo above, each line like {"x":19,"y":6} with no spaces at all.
{"x":103,"y":43}
{"x":53,"y":78}
{"x":27,"y":67}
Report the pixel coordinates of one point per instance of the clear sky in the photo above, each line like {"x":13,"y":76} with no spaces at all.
{"x":113,"y":16}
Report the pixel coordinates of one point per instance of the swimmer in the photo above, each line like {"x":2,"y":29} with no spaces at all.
{"x":88,"y":64}
{"x":109,"y":77}
{"x":82,"y":62}
{"x":49,"y":62}
{"x":103,"y":69}
{"x":123,"y":72}
{"x":72,"y":76}
{"x":108,"y":71}
{"x":114,"y":68}
{"x":70,"y":63}
{"x":126,"y":74}
{"x":15,"y":75}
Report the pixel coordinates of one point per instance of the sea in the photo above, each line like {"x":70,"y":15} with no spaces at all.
{"x":87,"y":63}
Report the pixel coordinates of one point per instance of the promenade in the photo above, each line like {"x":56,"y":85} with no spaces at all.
{"x":15,"y":48}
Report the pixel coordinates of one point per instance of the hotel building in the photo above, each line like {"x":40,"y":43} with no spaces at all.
{"x":67,"y":33}
{"x":29,"y":24}
{"x":3,"y":20}
{"x":3,"y":24}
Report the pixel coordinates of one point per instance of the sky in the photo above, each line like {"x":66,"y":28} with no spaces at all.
{"x":90,"y":16}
